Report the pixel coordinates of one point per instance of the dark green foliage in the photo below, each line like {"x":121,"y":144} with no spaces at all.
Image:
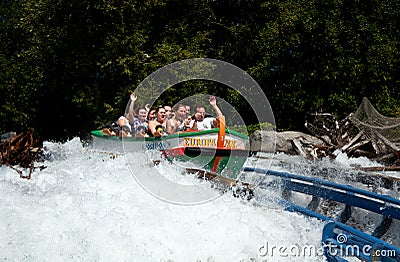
{"x":69,"y":66}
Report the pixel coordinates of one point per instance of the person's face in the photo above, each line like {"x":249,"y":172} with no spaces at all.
{"x":187,"y":110}
{"x":152,"y":115}
{"x":200,"y":112}
{"x":161,"y":115}
{"x":168,"y":110}
{"x":142,"y":114}
{"x":180,"y":114}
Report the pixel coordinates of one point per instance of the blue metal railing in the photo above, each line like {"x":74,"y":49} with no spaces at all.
{"x":340,"y":240}
{"x":384,"y":205}
{"x":357,"y":243}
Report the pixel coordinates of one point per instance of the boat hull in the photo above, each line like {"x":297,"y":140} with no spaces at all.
{"x":198,"y":148}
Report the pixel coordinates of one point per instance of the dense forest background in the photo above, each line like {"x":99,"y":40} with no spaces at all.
{"x":68,"y":66}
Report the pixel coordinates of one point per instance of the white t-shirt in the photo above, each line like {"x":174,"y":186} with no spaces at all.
{"x":206,"y":124}
{"x":125,"y":122}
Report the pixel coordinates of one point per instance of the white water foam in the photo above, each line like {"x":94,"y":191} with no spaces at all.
{"x":87,"y":206}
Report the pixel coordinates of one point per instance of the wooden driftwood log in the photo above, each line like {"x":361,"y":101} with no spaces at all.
{"x":21,"y":150}
{"x":381,"y":168}
{"x":362,"y":133}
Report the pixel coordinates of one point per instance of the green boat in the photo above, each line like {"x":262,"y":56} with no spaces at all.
{"x":219,"y":150}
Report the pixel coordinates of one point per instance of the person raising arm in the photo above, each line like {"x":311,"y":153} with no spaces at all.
{"x":130,"y":113}
{"x":201,"y":120}
{"x":213,"y":103}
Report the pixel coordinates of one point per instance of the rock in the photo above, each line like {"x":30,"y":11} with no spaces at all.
{"x":272,"y":141}
{"x":7,"y":135}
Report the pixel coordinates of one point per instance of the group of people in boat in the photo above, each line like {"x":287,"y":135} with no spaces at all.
{"x":162,"y":120}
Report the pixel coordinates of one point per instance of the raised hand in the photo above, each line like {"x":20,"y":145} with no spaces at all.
{"x":147,"y":106}
{"x":133,"y":97}
{"x":213,"y":101}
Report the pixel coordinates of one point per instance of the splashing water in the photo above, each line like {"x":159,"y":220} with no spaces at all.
{"x":87,"y":206}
